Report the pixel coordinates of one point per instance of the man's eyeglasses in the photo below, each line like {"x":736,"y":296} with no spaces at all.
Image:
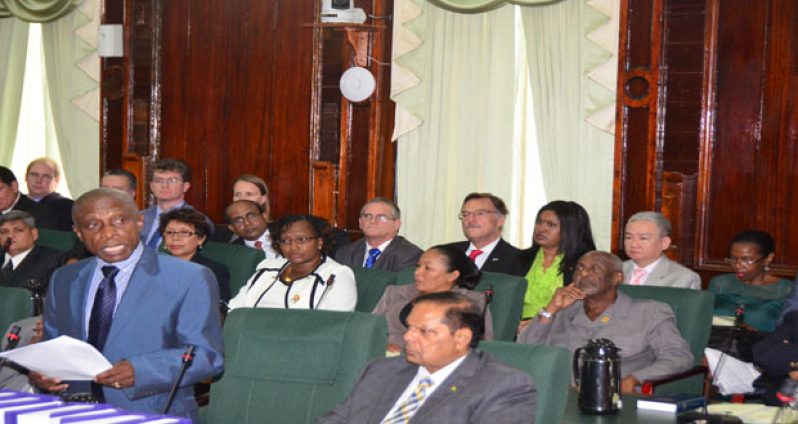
{"x":382,"y":219}
{"x":37,"y":176}
{"x":181,"y":234}
{"x":481,"y":213}
{"x":298,"y":240}
{"x":249,"y":217}
{"x":744,"y":261}
{"x":167,"y":181}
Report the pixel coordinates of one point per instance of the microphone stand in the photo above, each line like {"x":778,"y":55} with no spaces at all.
{"x":12,"y":340}
{"x":188,"y":358}
{"x":36,"y":296}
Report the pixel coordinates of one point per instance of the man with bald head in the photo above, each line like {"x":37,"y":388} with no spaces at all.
{"x":139,"y":309}
{"x":593,"y":308}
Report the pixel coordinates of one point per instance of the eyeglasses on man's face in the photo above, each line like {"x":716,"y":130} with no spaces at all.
{"x":249,"y":217}
{"x":167,"y":181}
{"x":381,"y":218}
{"x":480,"y":213}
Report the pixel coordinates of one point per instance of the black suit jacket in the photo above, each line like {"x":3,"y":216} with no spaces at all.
{"x":504,"y":258}
{"x":399,"y":254}
{"x":44,"y":215}
{"x":38,"y":265}
{"x":62,"y":207}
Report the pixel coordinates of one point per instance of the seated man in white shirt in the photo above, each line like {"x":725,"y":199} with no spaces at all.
{"x":381,"y":246}
{"x":250,"y":223}
{"x":442,"y":378}
{"x":645,"y":239}
{"x":20,"y":259}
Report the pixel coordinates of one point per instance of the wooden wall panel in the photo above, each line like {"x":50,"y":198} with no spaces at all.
{"x":724,"y":113}
{"x":236,"y":97}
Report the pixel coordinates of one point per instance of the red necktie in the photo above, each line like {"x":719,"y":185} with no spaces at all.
{"x":474,"y":253}
{"x":259,"y":245}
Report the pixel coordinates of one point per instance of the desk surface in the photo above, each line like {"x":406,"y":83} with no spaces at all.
{"x":628,"y":414}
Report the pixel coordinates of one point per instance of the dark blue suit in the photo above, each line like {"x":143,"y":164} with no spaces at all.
{"x":168,"y":304}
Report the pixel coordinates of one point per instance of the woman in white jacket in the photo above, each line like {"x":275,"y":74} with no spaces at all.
{"x":305,"y":277}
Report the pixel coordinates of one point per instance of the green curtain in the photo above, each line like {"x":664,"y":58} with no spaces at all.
{"x":37,"y":10}
{"x":14,"y":44}
{"x":478,"y":6}
{"x":76,"y":130}
{"x":466,"y":141}
{"x":576,"y":157}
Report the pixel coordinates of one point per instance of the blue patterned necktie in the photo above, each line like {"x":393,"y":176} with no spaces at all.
{"x":102,"y":313}
{"x":409,"y":407}
{"x":154,"y":241}
{"x":373,"y":254}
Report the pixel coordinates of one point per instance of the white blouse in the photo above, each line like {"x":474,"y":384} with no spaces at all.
{"x":330,"y":286}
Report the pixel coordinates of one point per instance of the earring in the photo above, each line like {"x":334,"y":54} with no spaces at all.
{"x":767,"y":269}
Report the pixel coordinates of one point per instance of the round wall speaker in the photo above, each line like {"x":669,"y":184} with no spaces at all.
{"x":357,"y":84}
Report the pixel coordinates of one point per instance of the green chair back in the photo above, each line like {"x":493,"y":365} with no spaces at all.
{"x":507,"y":304}
{"x":240,"y":261}
{"x":14,"y":305}
{"x":693,"y":311}
{"x":291,"y":366}
{"x":62,"y":241}
{"x":550,"y":369}
{"x":371,"y":285}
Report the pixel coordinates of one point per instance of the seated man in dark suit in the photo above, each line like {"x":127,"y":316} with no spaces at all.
{"x":777,"y":355}
{"x":42,"y":178}
{"x":442,"y":378}
{"x":121,"y":180}
{"x":12,"y":199}
{"x":482,"y":217}
{"x":593,"y":308}
{"x":381,"y":246}
{"x":21,"y":259}
{"x":249,"y":221}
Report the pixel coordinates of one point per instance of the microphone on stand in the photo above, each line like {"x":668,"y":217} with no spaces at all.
{"x":12,"y":338}
{"x":488,"y":298}
{"x":188,"y":358}
{"x":37,"y":292}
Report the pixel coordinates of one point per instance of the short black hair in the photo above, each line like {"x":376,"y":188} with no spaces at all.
{"x":321,"y":229}
{"x":497,"y":202}
{"x":760,"y":238}
{"x":186,"y":216}
{"x":456,"y":260}
{"x":132,"y":180}
{"x":461,"y":312}
{"x":173,"y":165}
{"x":6,"y":175}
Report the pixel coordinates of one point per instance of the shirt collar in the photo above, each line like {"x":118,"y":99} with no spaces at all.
{"x":650,"y":267}
{"x":442,"y":374}
{"x":127,"y":263}
{"x":382,"y":247}
{"x":10,"y":208}
{"x":18,"y":258}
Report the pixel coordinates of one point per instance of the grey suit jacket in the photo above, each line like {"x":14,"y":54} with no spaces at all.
{"x":480,"y":390}
{"x":399,"y":254}
{"x":667,"y":273}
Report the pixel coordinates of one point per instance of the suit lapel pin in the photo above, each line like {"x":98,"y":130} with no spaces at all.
{"x":605,"y":319}
{"x":453,"y":389}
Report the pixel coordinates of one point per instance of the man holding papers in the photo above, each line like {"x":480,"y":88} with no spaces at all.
{"x":139,"y":309}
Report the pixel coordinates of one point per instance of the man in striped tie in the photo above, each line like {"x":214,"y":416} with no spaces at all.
{"x":442,"y":378}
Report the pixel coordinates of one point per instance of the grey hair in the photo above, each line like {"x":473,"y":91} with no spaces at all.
{"x":16,"y":215}
{"x":614,"y":261}
{"x":121,"y":197}
{"x":397,"y":214}
{"x":657,"y":218}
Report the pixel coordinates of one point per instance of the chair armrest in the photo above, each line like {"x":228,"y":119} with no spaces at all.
{"x":648,"y":386}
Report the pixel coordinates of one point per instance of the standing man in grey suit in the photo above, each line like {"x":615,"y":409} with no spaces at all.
{"x":442,"y":379}
{"x":482,"y":217}
{"x":645,"y":239}
{"x":381,"y":247}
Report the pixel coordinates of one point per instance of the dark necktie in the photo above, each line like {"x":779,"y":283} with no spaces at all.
{"x":7,"y":269}
{"x":373,"y":254}
{"x":102,"y":313}
{"x":155,"y":241}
